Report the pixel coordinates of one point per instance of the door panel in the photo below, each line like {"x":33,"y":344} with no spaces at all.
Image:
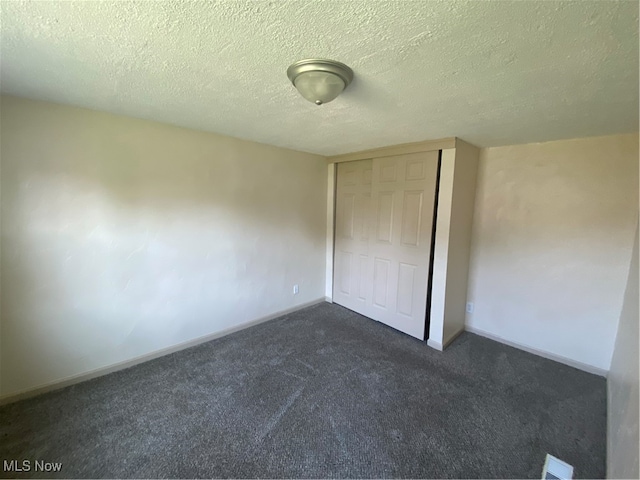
{"x":384,"y":217}
{"x":406,"y":243}
{"x":352,"y":270}
{"x":344,"y":278}
{"x":363,"y":278}
{"x":347,"y":206}
{"x":380,"y":282}
{"x":406,"y":281}
{"x":411,"y":218}
{"x":364,"y":208}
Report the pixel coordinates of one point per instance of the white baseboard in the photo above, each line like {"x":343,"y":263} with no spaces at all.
{"x":81,"y":377}
{"x":452,"y":338}
{"x":441,"y":346}
{"x":541,"y":353}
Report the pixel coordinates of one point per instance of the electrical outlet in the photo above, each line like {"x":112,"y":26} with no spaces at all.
{"x":469,"y":307}
{"x":295,"y":289}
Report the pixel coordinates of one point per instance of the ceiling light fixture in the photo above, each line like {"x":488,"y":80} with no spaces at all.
{"x":319,"y":80}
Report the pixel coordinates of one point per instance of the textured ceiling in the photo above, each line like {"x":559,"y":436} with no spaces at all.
{"x":490,"y":72}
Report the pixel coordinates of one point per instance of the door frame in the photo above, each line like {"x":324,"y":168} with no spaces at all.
{"x":332,"y":172}
{"x":426,"y":146}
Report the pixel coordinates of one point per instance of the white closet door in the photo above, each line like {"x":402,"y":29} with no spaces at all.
{"x":351,"y":279}
{"x":384,"y":221}
{"x":403,"y":195}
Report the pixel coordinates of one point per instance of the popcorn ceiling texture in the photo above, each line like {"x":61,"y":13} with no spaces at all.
{"x":493,"y":73}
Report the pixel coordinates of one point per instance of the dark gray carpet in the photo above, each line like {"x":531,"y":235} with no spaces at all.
{"x":320,"y":393}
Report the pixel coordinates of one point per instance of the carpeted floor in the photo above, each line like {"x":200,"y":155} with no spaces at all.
{"x":322,"y":393}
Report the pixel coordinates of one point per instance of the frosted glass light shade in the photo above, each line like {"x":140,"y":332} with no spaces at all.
{"x":320,"y":80}
{"x":319,"y":87}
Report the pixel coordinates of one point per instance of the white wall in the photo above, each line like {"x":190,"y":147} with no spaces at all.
{"x":122,"y":236}
{"x":456,"y":197}
{"x":462,"y":210}
{"x":441,"y":249}
{"x":552,"y":239}
{"x":622,"y":385}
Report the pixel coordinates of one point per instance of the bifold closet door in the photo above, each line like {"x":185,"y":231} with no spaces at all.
{"x":384,"y":220}
{"x":351,"y":257}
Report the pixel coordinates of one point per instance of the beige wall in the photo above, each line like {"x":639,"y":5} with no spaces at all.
{"x":622,"y":383}
{"x":121,"y":237}
{"x":552,"y":240}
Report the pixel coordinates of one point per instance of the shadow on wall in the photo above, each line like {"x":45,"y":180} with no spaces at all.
{"x":121,"y":237}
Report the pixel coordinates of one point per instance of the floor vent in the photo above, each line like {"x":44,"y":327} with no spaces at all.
{"x":556,"y":469}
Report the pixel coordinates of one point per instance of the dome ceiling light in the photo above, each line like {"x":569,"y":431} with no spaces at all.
{"x":319,"y":80}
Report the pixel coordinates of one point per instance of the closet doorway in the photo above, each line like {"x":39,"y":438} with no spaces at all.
{"x":383,"y":238}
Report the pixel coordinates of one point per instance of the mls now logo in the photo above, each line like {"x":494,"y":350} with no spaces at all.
{"x":26,"y":466}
